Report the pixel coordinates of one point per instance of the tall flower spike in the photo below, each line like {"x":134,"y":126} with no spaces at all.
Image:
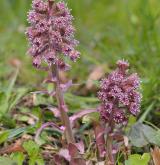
{"x":51,"y":33}
{"x":119,"y":94}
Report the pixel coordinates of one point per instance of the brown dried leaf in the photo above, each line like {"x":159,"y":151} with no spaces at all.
{"x":57,"y":160}
{"x":96,"y":74}
{"x":28,"y":101}
{"x":75,"y":156}
{"x":100,"y":163}
{"x":156,"y":155}
{"x":63,"y":76}
{"x":126,"y":141}
{"x":15,"y":62}
{"x":100,"y":141}
{"x":65,"y":154}
{"x":26,"y":137}
{"x":17,"y":147}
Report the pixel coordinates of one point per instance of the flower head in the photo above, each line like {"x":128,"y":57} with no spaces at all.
{"x":119,"y":94}
{"x":51,"y":33}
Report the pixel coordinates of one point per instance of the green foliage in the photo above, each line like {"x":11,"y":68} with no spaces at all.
{"x":144,"y":115}
{"x":136,"y":159}
{"x":141,"y":135}
{"x":8,"y":97}
{"x":93,"y":117}
{"x":33,"y":151}
{"x":78,"y":102}
{"x":7,"y":161}
{"x":18,"y":157}
{"x":17,"y":131}
{"x":4,"y":136}
{"x":14,"y":133}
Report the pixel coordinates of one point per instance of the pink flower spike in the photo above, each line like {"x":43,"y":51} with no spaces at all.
{"x":51,"y":31}
{"x":119,"y":92}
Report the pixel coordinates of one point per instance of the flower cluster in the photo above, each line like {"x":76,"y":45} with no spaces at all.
{"x":119,"y":94}
{"x":51,"y":33}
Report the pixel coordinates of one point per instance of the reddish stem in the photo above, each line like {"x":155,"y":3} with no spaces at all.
{"x":109,"y":150}
{"x":110,"y":141}
{"x":99,"y":130}
{"x":62,"y":106}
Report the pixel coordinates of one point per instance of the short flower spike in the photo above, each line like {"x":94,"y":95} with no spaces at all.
{"x":119,"y":94}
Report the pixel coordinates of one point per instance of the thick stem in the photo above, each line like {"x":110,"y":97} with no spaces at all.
{"x":100,"y":140}
{"x":61,"y":105}
{"x":110,"y":141}
{"x":109,"y":150}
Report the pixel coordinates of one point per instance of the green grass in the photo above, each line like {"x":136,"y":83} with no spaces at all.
{"x":107,"y":30}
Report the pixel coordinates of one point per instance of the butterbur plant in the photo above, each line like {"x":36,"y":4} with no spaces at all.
{"x":51,"y":38}
{"x":119,"y":95}
{"x":51,"y":35}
